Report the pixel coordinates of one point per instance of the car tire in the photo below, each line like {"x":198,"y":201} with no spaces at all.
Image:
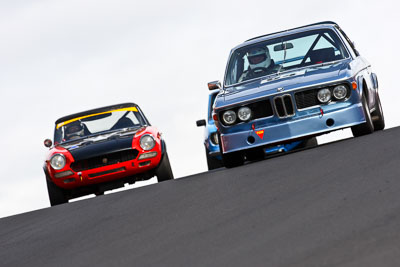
{"x":233,"y":159}
{"x":164,"y":171}
{"x":377,"y":116}
{"x":230,"y":160}
{"x":255,"y":154}
{"x":57,"y":195}
{"x":366,"y":127}
{"x":212,"y":162}
{"x":308,"y":143}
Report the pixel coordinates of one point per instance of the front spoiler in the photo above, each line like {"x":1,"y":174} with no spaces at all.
{"x":299,"y":127}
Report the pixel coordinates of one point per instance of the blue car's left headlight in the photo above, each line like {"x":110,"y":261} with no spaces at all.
{"x":324,"y":95}
{"x":340,"y":92}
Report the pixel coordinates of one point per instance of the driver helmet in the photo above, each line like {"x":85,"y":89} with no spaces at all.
{"x":74,"y":130}
{"x":259,"y":57}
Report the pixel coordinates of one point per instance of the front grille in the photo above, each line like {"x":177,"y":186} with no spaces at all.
{"x":259,"y":109}
{"x":104,"y":160}
{"x":306,"y":99}
{"x":284,"y":106}
{"x":92,"y":175}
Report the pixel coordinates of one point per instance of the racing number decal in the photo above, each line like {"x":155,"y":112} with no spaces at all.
{"x":260,"y":134}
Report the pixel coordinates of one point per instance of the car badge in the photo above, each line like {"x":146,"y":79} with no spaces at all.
{"x":280,"y":89}
{"x":105,"y":160}
{"x":260,"y":134}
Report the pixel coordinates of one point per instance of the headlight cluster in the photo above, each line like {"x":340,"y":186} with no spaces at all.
{"x":229,"y":117}
{"x":57,"y":161}
{"x":339,"y":92}
{"x":147,"y":142}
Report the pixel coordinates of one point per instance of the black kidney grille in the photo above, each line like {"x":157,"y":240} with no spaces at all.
{"x":279,"y":107}
{"x":305,"y":99}
{"x":259,"y":109}
{"x":284,"y":106}
{"x":287,"y":99}
{"x":104,"y":160}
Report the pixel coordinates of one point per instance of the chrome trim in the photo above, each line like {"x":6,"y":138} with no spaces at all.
{"x":284,"y":106}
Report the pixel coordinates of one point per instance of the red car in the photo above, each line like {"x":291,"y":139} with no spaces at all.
{"x":102,"y":149}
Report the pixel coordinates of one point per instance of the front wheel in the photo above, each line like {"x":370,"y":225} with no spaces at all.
{"x":164,"y":171}
{"x":232,"y":159}
{"x":367,"y":127}
{"x":213,"y":162}
{"x":57,"y":195}
{"x":377,"y":116}
{"x":308,"y":143}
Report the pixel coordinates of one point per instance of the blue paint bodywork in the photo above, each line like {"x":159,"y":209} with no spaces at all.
{"x":213,"y":150}
{"x":306,"y":122}
{"x":211,"y":147}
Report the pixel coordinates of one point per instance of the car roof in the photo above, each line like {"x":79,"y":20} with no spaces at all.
{"x":318,"y":25}
{"x":96,"y":110}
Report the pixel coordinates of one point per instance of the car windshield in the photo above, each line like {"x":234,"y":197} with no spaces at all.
{"x":97,"y":123}
{"x":284,"y":53}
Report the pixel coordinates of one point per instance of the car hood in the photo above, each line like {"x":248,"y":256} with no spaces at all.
{"x":100,"y":145}
{"x":288,"y":81}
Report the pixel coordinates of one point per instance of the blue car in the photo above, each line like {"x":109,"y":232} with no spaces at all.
{"x":293,"y":85}
{"x":211,"y":140}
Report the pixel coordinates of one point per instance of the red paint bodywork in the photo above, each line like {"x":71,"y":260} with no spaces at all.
{"x":131,"y":167}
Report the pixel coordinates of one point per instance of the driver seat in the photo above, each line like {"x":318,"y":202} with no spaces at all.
{"x":322,"y":55}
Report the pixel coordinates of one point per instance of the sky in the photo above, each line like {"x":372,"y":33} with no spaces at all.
{"x":62,"y":57}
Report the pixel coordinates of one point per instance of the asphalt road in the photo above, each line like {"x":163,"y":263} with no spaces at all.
{"x":333,"y":205}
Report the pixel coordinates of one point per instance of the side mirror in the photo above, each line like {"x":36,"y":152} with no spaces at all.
{"x":214,"y":85}
{"x":201,"y":123}
{"x":48,"y":143}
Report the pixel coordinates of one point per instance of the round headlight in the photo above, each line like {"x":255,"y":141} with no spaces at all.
{"x":324,"y":95}
{"x":57,"y":161}
{"x":229,"y":117}
{"x":340,"y":92}
{"x":244,"y":113}
{"x":214,"y":138}
{"x":147,"y":142}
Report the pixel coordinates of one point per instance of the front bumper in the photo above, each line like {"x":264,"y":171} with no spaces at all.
{"x":137,"y":169}
{"x":312,"y":124}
